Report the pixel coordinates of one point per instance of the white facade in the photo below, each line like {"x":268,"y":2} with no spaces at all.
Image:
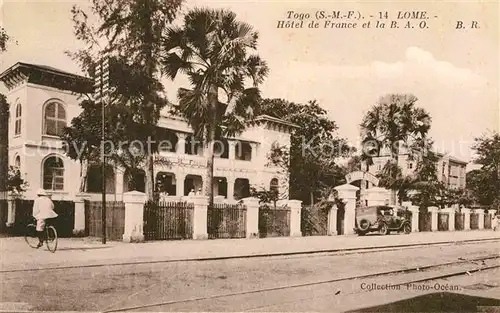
{"x":451,"y":171}
{"x":39,"y":109}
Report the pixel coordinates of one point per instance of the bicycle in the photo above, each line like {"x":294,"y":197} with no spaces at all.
{"x":31,"y":236}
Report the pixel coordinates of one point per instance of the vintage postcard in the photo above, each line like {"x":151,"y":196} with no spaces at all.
{"x":260,"y":156}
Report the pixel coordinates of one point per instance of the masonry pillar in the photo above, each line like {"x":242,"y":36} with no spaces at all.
{"x":466,"y":218}
{"x":494,"y":221}
{"x":252,"y":219}
{"x":181,"y":143}
{"x":79,"y":226}
{"x":134,"y":211}
{"x":451,"y":218}
{"x":179,"y":184}
{"x":332,"y":221}
{"x":11,"y":211}
{"x":295,"y":215}
{"x":119,"y":181}
{"x":254,"y":151}
{"x":200,"y":217}
{"x":347,"y":193}
{"x":434,"y":217}
{"x":415,"y":211}
{"x":480,"y":217}
{"x":232,"y":149}
{"x":230,"y":188}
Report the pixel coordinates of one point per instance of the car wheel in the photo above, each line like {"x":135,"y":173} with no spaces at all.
{"x":407,"y":228}
{"x":364,"y":225}
{"x":384,"y":229}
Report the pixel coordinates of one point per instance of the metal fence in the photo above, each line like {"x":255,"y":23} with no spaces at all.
{"x":64,"y":222}
{"x":487,"y":221}
{"x":314,"y":221}
{"x":443,"y":221}
{"x":115,"y":219}
{"x":474,"y":221}
{"x":4,"y":211}
{"x":459,"y":221}
{"x":274,"y":222}
{"x":168,"y":220}
{"x":424,"y":221}
{"x":226,"y":221}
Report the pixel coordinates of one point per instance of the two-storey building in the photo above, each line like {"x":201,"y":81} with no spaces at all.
{"x":450,"y":170}
{"x":44,"y":100}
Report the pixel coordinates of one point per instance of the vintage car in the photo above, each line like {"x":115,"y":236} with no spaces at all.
{"x":382,"y":219}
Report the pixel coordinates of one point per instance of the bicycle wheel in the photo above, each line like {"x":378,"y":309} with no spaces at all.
{"x":51,"y":240}
{"x":31,"y":236}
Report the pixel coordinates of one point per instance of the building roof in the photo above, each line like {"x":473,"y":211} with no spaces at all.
{"x":46,"y":76}
{"x":440,"y":155}
{"x":275,"y":120}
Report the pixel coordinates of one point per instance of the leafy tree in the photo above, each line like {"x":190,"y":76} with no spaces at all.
{"x":484,"y":183}
{"x":16,"y":185}
{"x":83,"y":141}
{"x":215,"y":50}
{"x":310,"y":164}
{"x":393,"y":125}
{"x":132,"y":32}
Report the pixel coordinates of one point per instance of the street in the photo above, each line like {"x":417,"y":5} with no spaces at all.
{"x":317,"y":282}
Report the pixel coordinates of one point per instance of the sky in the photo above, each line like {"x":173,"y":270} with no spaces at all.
{"x":454,"y":73}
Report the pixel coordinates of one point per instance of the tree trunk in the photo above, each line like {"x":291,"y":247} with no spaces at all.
{"x":209,"y":176}
{"x":4,"y":144}
{"x":83,"y":175}
{"x":311,"y":198}
{"x":149,"y":176}
{"x":213,"y":100}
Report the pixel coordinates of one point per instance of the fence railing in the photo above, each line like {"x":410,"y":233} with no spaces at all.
{"x":64,"y":222}
{"x":474,"y":221}
{"x":168,"y":220}
{"x":314,"y":221}
{"x":274,"y":222}
{"x":443,"y":221}
{"x":115,"y":219}
{"x":226,"y":221}
{"x":459,"y":221}
{"x":425,"y":221}
{"x":487,"y":221}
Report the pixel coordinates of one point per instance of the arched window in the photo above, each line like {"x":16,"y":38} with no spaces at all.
{"x":53,"y":173}
{"x":17,"y":162}
{"x":274,"y":185}
{"x":54,"y":118}
{"x":17,"y":124}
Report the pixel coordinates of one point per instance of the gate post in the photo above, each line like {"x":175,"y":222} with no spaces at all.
{"x":332,"y":221}
{"x":494,"y":221}
{"x":252,"y":217}
{"x":451,"y":218}
{"x":415,"y":211}
{"x":134,"y":212}
{"x":11,"y":211}
{"x":480,"y":216}
{"x":79,"y":226}
{"x":434,"y":217}
{"x":200,"y":217}
{"x":347,"y":193}
{"x":466,"y":218}
{"x":295,"y":215}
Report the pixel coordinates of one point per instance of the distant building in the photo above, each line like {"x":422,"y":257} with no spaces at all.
{"x":451,"y":171}
{"x":44,"y":100}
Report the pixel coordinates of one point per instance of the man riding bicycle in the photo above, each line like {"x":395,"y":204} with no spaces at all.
{"x":43,"y":208}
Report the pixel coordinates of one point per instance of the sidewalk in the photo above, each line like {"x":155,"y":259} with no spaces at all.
{"x":16,"y":255}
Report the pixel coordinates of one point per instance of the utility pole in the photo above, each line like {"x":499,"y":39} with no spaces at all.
{"x":101,"y":89}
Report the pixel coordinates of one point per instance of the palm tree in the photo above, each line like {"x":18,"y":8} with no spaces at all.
{"x":395,"y":124}
{"x":214,"y":50}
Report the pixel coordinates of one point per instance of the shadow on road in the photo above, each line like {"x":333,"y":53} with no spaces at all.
{"x":82,"y":248}
{"x":436,"y":302}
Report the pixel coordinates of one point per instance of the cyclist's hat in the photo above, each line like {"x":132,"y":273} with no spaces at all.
{"x":41,"y":192}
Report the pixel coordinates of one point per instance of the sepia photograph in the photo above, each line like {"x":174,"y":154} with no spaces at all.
{"x":249,"y":156}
